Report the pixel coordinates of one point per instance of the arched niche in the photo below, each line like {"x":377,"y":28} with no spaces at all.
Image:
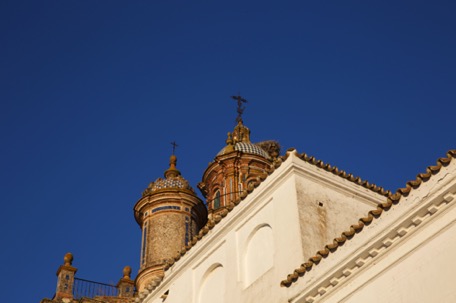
{"x":213,"y":285}
{"x":259,"y":253}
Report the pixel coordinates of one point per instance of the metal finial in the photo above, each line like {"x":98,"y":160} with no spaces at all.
{"x":174,"y":144}
{"x":240,"y":108}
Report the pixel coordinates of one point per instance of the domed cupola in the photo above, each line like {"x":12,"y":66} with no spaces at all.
{"x":169,"y":214}
{"x":172,"y":181}
{"x":236,"y":166}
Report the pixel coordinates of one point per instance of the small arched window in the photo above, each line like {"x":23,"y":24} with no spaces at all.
{"x":217,"y":200}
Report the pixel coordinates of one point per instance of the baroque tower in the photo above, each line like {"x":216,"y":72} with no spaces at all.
{"x":237,"y":166}
{"x":169,"y":214}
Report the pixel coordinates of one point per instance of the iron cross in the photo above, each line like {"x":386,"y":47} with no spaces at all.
{"x":240,"y":108}
{"x":174,"y":144}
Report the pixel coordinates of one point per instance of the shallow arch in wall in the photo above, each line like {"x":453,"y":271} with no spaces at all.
{"x":212,"y":287}
{"x":259,"y":253}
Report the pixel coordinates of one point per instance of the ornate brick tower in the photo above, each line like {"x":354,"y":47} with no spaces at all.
{"x":236,"y":166}
{"x":169,"y":214}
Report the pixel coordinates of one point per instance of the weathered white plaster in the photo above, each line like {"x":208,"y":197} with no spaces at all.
{"x":404,"y":256}
{"x":212,"y":288}
{"x":260,"y":246}
{"x":326,"y":203}
{"x":281,"y":223}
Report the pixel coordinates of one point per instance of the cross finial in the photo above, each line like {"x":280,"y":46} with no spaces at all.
{"x":240,"y":108}
{"x":174,"y":144}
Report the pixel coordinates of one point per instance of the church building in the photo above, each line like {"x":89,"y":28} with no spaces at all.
{"x":285,"y":227}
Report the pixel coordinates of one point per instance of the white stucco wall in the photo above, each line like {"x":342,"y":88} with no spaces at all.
{"x":246,"y":255}
{"x":327,"y":205}
{"x":406,"y":255}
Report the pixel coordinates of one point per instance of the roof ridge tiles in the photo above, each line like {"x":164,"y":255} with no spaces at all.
{"x":338,"y":172}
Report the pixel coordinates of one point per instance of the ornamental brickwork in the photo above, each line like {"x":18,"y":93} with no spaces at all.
{"x":169,"y":214}
{"x":236,"y":168}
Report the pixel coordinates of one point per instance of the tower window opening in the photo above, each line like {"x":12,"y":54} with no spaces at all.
{"x":144,"y":244}
{"x":217,"y":199}
{"x":172,"y":207}
{"x":187,"y":230}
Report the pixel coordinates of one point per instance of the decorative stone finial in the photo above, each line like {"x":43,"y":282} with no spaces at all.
{"x":229,"y":139}
{"x":172,"y":171}
{"x":125,"y":285}
{"x":68,"y":259}
{"x":127,"y":272}
{"x":229,"y":143}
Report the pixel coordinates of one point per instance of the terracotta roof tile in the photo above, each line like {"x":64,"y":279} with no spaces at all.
{"x":358,"y":227}
{"x":333,"y":169}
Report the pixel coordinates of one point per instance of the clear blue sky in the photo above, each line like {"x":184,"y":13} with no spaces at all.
{"x":93,"y":92}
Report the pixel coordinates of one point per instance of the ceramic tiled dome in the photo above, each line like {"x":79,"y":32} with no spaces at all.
{"x":172,"y":180}
{"x":248,"y":148}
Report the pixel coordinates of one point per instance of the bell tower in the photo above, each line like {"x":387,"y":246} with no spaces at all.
{"x":169,"y":214}
{"x":235,"y":168}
